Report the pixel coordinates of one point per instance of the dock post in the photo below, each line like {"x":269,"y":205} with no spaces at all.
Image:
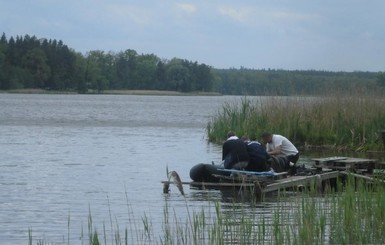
{"x":318,"y":183}
{"x":166,"y":187}
{"x":258,"y":190}
{"x":383,"y":137}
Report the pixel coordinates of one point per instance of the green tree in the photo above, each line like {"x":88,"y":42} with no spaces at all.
{"x":177,"y":76}
{"x":381,"y":79}
{"x":94,"y":77}
{"x":35,"y":61}
{"x":79,"y":74}
{"x":3,"y":66}
{"x":146,"y":71}
{"x":161,"y":76}
{"x":62,"y":62}
{"x":125,"y":69}
{"x":204,"y":78}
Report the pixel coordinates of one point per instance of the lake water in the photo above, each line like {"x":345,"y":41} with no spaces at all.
{"x":63,"y":157}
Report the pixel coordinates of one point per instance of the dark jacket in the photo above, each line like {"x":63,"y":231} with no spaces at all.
{"x":234,"y":151}
{"x":258,"y":157}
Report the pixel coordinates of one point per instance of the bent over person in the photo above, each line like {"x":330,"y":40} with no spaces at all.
{"x":280,"y":146}
{"x":257,"y":154}
{"x":234,"y":152}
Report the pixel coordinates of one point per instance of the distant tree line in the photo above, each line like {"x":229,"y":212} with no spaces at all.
{"x":29,"y":62}
{"x":282,"y":82}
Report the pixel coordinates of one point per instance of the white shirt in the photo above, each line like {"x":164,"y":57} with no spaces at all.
{"x":287,"y":148}
{"x":232,"y":138}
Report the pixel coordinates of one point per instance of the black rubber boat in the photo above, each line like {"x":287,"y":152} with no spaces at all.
{"x":203,"y":172}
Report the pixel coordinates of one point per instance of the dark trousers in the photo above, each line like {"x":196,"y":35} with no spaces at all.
{"x":293,"y":158}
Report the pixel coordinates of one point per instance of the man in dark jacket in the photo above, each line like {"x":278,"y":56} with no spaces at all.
{"x":258,"y":156}
{"x":234,"y":152}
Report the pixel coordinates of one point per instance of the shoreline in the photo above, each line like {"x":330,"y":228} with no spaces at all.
{"x":111,"y":92}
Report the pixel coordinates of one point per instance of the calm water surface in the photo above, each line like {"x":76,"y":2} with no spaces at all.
{"x":63,"y":157}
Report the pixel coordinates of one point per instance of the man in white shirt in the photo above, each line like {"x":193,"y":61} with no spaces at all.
{"x":278,"y":145}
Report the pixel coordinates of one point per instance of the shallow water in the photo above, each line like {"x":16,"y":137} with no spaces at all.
{"x":64,"y":158}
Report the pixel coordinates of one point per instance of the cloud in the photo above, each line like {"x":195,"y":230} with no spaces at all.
{"x":189,"y":8}
{"x":265,"y":17}
{"x":128,"y":14}
{"x":241,"y":15}
{"x":335,"y":35}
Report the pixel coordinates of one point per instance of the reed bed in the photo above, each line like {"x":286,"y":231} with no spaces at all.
{"x":344,"y":122}
{"x":353,"y":215}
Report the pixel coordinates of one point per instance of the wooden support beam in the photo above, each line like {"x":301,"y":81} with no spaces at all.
{"x":224,"y":184}
{"x":300,"y":180}
{"x":363,"y":177}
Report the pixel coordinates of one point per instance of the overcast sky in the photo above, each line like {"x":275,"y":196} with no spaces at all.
{"x":332,"y":35}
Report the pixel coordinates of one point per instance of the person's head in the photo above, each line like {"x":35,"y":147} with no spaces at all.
{"x":267,"y":137}
{"x":230,"y":134}
{"x":253,"y":137}
{"x":245,"y":138}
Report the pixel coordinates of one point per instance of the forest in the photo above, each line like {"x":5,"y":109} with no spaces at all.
{"x":28,"y":62}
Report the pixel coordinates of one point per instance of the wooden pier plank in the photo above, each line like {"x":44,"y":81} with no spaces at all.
{"x":345,"y":163}
{"x":332,"y":167}
{"x":212,"y":184}
{"x":299,"y":180}
{"x":373,"y":180}
{"x":292,"y":181}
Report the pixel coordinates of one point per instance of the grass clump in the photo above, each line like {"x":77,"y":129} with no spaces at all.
{"x":346,"y":122}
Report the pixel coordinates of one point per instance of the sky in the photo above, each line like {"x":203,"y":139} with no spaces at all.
{"x":328,"y":35}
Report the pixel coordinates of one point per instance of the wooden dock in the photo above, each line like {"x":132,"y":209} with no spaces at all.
{"x":295,"y":181}
{"x":323,"y":171}
{"x":357,"y":165}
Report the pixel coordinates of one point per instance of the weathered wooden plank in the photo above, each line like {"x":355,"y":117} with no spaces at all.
{"x":379,"y":165}
{"x":346,"y":163}
{"x":362,"y":177}
{"x":356,"y":160}
{"x":342,"y":160}
{"x":211,"y":184}
{"x":279,"y":184}
{"x":299,"y":180}
{"x":328,"y":159}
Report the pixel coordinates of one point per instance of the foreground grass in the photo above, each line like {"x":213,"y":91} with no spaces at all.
{"x":345,"y":122}
{"x":355,"y":215}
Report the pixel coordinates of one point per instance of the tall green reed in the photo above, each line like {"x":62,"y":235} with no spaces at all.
{"x":344,"y":122}
{"x":352,"y":213}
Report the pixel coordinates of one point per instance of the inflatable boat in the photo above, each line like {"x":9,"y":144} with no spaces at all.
{"x":211,"y":173}
{"x":204,"y":172}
